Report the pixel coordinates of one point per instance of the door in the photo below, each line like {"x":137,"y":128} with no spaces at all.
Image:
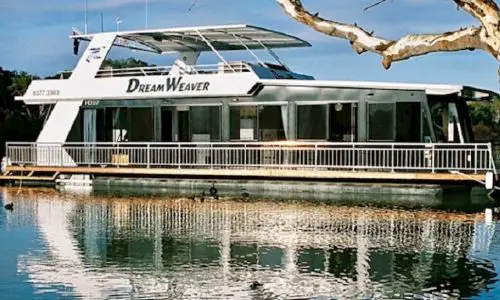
{"x":183,"y":125}
{"x":166,"y":124}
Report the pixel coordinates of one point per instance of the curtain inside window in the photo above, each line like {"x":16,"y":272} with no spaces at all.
{"x":284,"y":117}
{"x":90,"y":122}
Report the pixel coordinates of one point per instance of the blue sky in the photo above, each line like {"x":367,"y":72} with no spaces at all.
{"x":34,"y":35}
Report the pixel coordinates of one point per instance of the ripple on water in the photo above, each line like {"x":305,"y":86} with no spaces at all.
{"x":98,"y":247}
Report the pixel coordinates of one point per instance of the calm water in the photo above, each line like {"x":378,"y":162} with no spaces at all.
{"x":62,"y":246}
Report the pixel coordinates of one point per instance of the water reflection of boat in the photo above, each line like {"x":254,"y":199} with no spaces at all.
{"x":431,"y":197}
{"x":139,"y":247}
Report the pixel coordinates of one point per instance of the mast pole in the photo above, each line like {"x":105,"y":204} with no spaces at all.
{"x":147,"y":12}
{"x":86,"y":15}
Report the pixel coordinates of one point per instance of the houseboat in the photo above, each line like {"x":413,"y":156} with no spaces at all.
{"x":246,"y":118}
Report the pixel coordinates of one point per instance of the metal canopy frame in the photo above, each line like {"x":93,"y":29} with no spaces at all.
{"x":222,"y":37}
{"x":213,"y":49}
{"x":209,"y":38}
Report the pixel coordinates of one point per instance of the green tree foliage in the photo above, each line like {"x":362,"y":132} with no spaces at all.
{"x":482,"y":112}
{"x":20,"y":122}
{"x":485,"y":117}
{"x":123,"y":63}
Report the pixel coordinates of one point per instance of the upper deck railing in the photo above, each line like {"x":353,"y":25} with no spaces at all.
{"x":388,"y":157}
{"x":231,"y":68}
{"x":239,"y":67}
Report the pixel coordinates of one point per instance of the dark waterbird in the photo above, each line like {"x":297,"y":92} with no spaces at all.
{"x":197,"y":199}
{"x":254,"y":285}
{"x":9,"y":206}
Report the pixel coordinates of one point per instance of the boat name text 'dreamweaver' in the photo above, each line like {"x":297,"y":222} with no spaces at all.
{"x":172,"y":84}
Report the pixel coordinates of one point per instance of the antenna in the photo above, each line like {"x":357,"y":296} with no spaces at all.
{"x":118,"y":22}
{"x":86,"y":15}
{"x":192,"y":5}
{"x":102,"y":23}
{"x":147,"y":11}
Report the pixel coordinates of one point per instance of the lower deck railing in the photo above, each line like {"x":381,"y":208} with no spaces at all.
{"x":420,"y":157}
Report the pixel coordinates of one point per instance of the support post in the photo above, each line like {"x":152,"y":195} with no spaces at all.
{"x":433,"y":159}
{"x":179,"y":155}
{"x":249,"y":50}
{"x":273,"y":54}
{"x":475,"y":159}
{"x":149,"y":155}
{"x":245,"y":156}
{"x":315,"y":157}
{"x":392,"y":157}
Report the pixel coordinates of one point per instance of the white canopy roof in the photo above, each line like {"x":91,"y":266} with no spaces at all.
{"x":472,"y":93}
{"x":222,"y":38}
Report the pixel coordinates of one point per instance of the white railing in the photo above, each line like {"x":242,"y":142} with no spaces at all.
{"x":237,"y":67}
{"x":468,"y":158}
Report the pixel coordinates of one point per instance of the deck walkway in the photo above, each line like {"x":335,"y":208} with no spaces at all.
{"x":238,"y":173}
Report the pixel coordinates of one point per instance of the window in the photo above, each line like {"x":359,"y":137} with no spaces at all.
{"x":381,"y":121}
{"x":273,"y":123}
{"x":101,"y":125}
{"x":408,"y":116}
{"x":141,"y":124}
{"x":116,"y":124}
{"x":342,"y":122}
{"x":263,"y":122}
{"x":311,"y":122}
{"x":77,"y":132}
{"x":243,"y":121}
{"x":205,"y":123}
{"x":439,"y":118}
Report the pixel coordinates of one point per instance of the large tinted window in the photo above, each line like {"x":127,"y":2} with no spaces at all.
{"x":311,"y":122}
{"x":205,"y":123}
{"x":439,"y":117}
{"x":408,"y":122}
{"x":243,"y":121}
{"x":271,"y":123}
{"x":342,"y":123}
{"x":381,"y":121}
{"x":141,"y":125}
{"x":117,"y":125}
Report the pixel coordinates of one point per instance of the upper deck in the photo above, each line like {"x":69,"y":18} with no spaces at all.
{"x":213,"y":39}
{"x":91,"y":79}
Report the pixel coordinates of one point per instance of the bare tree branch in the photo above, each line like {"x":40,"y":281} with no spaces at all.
{"x":485,"y":37}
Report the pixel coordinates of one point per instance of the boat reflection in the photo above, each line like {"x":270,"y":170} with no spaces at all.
{"x":110,"y":247}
